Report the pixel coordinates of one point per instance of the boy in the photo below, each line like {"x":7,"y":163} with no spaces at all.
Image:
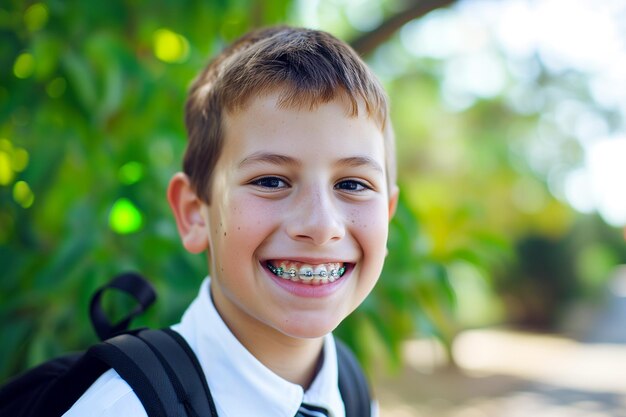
{"x":289,"y":186}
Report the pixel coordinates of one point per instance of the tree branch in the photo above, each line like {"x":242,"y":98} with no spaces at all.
{"x":368,"y":42}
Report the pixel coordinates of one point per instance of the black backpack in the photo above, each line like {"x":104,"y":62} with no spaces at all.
{"x":158,"y":364}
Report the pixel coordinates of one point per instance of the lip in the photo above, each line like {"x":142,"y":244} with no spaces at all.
{"x":308,"y":260}
{"x":299,"y":289}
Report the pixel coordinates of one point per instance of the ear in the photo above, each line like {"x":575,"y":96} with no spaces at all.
{"x":187,"y":209}
{"x":393,"y":200}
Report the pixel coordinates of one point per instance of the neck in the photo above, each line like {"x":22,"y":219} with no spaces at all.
{"x":296,"y":361}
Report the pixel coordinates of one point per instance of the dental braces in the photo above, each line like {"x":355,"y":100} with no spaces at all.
{"x":292,"y":272}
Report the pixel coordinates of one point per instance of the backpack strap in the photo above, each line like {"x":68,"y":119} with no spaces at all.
{"x":162,"y":370}
{"x":130,"y":283}
{"x":353,"y":384}
{"x":158,"y":364}
{"x":183,"y":369}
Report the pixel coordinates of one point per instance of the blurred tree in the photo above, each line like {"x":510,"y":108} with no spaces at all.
{"x":91,"y":99}
{"x":91,"y":130}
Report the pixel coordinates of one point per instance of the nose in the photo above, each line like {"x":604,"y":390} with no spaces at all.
{"x":316,"y":218}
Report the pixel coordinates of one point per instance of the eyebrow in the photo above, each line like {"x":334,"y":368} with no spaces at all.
{"x":361,"y":161}
{"x":268,"y":158}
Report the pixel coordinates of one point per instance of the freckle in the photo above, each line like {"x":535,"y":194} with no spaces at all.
{"x":238,"y":228}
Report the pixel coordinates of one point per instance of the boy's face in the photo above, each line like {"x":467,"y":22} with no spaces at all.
{"x":303,"y":193}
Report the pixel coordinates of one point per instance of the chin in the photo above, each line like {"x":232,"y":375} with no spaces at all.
{"x":309,"y":328}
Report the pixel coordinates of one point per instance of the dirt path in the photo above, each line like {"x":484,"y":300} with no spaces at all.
{"x":515,"y":374}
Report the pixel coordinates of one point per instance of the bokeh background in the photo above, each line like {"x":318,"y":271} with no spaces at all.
{"x":502,"y":288}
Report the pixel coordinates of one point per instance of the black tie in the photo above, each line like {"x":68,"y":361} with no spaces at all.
{"x":307,"y":410}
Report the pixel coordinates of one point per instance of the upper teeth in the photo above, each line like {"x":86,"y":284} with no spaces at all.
{"x":307,"y":273}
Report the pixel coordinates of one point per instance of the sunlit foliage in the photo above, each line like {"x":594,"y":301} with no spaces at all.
{"x":91,"y":99}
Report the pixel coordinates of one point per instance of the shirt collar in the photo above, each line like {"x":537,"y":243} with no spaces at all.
{"x":240,"y":384}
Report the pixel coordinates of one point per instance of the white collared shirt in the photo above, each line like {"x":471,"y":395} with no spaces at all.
{"x":239,"y":383}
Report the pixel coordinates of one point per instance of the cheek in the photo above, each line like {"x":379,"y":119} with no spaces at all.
{"x":370,"y":228}
{"x":241,"y":226}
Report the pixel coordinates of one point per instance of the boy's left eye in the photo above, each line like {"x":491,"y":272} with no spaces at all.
{"x":351,"y":185}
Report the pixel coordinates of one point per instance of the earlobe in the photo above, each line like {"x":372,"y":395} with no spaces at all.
{"x":393,"y":200}
{"x":187,"y":209}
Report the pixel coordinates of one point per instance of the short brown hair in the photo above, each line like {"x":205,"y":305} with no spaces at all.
{"x":309,"y":67}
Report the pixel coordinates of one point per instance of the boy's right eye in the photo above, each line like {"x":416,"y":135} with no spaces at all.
{"x":269,"y":182}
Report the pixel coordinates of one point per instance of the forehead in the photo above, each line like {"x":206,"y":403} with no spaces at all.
{"x":265,"y":122}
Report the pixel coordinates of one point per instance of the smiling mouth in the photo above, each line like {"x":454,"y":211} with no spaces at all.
{"x":307,"y":273}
